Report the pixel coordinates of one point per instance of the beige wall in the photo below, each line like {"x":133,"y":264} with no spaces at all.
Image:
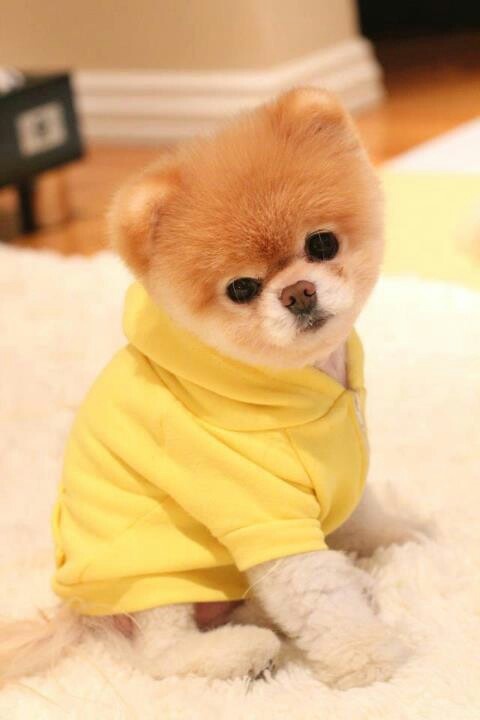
{"x":168,"y":34}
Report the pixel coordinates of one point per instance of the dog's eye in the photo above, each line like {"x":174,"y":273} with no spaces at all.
{"x":242,"y":290}
{"x":321,"y":245}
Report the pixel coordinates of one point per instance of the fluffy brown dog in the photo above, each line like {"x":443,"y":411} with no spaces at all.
{"x":263,"y":242}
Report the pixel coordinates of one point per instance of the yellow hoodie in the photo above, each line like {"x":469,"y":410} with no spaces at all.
{"x":185,"y":468}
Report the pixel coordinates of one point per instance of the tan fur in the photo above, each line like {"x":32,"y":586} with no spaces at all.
{"x":29,"y":646}
{"x":135,"y":212}
{"x":240,"y":204}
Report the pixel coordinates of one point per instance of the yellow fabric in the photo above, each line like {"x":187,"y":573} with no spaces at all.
{"x":425,"y":214}
{"x":185,"y":468}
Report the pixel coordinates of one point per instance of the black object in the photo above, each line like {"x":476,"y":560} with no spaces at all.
{"x":381,"y":19}
{"x":38,"y":131}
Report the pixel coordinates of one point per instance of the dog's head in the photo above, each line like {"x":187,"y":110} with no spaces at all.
{"x":265,"y":240}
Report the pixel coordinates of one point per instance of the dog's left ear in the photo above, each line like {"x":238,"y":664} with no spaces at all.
{"x":305,"y":112}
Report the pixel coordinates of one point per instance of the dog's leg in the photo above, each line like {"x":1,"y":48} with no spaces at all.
{"x":320,"y":600}
{"x":371,"y":526}
{"x":167,"y":642}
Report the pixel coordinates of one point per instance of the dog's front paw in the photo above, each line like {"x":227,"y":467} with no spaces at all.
{"x":369,"y":654}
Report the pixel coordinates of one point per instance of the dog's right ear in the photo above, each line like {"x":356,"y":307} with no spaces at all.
{"x":136,"y":214}
{"x":309,"y":112}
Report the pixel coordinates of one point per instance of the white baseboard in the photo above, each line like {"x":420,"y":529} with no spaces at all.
{"x":153,"y":107}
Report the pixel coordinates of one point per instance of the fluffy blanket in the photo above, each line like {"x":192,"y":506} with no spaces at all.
{"x":60,"y":322}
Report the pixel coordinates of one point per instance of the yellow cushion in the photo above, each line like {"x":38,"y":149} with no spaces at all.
{"x":425,"y":214}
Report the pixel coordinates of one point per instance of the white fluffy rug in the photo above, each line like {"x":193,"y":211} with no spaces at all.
{"x":60,"y":321}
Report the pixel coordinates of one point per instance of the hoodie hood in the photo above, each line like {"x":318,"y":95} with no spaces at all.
{"x":223,"y":391}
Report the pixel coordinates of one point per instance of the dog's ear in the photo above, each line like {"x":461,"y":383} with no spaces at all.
{"x":306,"y":112}
{"x":136,"y":214}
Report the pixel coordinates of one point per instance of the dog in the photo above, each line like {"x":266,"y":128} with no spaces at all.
{"x":221,"y":456}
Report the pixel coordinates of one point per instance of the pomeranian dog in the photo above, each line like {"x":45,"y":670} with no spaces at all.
{"x":221,"y":456}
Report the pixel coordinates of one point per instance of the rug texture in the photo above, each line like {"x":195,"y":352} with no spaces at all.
{"x":60,"y":322}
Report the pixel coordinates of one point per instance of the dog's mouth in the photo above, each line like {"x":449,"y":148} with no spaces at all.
{"x":312,"y":321}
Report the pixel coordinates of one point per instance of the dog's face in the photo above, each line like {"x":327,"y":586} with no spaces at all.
{"x":265,"y":240}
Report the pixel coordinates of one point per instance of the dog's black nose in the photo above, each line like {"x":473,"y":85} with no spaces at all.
{"x":300,"y":298}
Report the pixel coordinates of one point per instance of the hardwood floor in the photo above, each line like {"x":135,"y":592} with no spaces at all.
{"x":433,"y":84}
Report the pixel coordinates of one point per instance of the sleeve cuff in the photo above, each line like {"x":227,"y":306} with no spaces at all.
{"x":259,"y":543}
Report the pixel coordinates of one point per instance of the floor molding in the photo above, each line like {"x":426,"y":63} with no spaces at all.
{"x":151,"y":107}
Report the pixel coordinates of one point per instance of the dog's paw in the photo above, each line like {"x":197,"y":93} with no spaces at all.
{"x":228,"y":652}
{"x":370,"y":654}
{"x":253,"y":653}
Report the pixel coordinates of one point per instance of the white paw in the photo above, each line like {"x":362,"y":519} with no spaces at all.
{"x":251,"y":652}
{"x":230,"y":651}
{"x":369,"y":654}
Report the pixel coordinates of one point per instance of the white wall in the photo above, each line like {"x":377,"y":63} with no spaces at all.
{"x":149,"y":70}
{"x":168,"y":34}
